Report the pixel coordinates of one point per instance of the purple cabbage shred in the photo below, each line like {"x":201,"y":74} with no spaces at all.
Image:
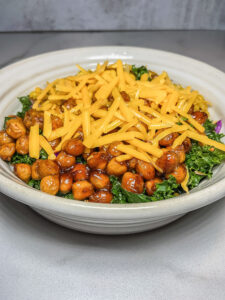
{"x":218,"y":126}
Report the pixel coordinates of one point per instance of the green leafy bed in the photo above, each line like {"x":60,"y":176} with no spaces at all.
{"x":200,"y":162}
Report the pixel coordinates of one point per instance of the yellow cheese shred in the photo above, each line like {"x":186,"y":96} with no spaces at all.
{"x":34,"y":147}
{"x":185,"y":182}
{"x":47,"y":147}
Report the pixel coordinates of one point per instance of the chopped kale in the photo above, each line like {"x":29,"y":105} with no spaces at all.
{"x":6,"y":119}
{"x":35,"y":184}
{"x":80,"y":159}
{"x":138,"y":72}
{"x":22,"y":159}
{"x":166,"y":189}
{"x":67,"y":196}
{"x":26,"y":105}
{"x":43,"y":154}
{"x":210,"y":131}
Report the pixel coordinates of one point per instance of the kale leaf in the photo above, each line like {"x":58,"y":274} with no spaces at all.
{"x":138,"y":72}
{"x":22,"y":159}
{"x":81,"y":160}
{"x":166,"y":189}
{"x":200,"y":162}
{"x":210,"y":131}
{"x":43,"y":154}
{"x":67,"y":196}
{"x":6,"y":119}
{"x":26,"y":105}
{"x":35,"y":184}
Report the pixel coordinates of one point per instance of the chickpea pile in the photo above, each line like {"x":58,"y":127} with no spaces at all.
{"x":90,"y":181}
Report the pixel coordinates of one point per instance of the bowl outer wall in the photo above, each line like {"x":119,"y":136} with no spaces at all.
{"x":21,"y":77}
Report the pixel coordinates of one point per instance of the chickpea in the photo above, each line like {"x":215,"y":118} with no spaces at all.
{"x":113,"y":150}
{"x":116,"y":168}
{"x":15,"y":128}
{"x":100,"y":180}
{"x":35,"y":174}
{"x":22,"y":145}
{"x":125,"y":96}
{"x":132,"y":163}
{"x":70,"y":103}
{"x":150,"y":185}
{"x":132,"y":183}
{"x":7,"y":151}
{"x":55,"y":143}
{"x":199,"y":116}
{"x":179,"y":150}
{"x":50,"y":184}
{"x":179,"y":173}
{"x":23,"y":171}
{"x":65,"y":183}
{"x":56,"y":122}
{"x":74,"y":147}
{"x":82,"y":190}
{"x":168,"y":161}
{"x":5,"y":138}
{"x":187,"y":145}
{"x":65,"y":160}
{"x":33,"y":117}
{"x":80,"y":172}
{"x":97,"y":160}
{"x":167,"y":140}
{"x":47,"y":167}
{"x":145,"y":169}
{"x":101,"y":197}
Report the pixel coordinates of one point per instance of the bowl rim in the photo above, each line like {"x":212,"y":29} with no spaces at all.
{"x":177,"y":205}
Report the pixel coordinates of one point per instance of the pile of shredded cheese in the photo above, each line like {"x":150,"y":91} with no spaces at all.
{"x":106,"y":117}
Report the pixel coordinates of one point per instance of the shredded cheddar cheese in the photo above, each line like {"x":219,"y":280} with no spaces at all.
{"x":109,"y":105}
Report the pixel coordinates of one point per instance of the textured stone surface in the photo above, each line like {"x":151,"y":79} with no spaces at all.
{"x":28,"y":15}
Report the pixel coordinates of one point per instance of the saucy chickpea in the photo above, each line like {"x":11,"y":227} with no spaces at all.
{"x":132,"y":163}
{"x":199,"y":116}
{"x":7,"y":151}
{"x":82,"y":189}
{"x":101,"y":197}
{"x":168,"y":161}
{"x":97,"y":160}
{"x":65,"y":183}
{"x":56,"y":122}
{"x":33,"y":117}
{"x":74,"y":147}
{"x":168,"y":140}
{"x":23,"y":171}
{"x":47,"y":167}
{"x":22,"y":145}
{"x":5,"y":138}
{"x":145,"y":169}
{"x":150,"y":185}
{"x":113,"y":150}
{"x":116,"y":168}
{"x":125,"y":96}
{"x":179,"y":173}
{"x":80,"y":172}
{"x":100,"y":180}
{"x":54,"y":143}
{"x":50,"y":184}
{"x":180,"y":151}
{"x":15,"y":128}
{"x":187,"y":145}
{"x":65,"y":160}
{"x":35,"y":174}
{"x":132,"y":183}
{"x":70,"y":103}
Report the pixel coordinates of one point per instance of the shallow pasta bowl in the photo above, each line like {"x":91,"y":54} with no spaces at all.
{"x":20,"y":78}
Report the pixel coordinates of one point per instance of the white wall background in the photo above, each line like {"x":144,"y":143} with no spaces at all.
{"x":35,"y":15}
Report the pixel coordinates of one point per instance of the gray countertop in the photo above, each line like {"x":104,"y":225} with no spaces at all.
{"x":184,"y":260}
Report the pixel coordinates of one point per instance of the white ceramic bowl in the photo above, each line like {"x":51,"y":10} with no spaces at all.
{"x":20,"y":78}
